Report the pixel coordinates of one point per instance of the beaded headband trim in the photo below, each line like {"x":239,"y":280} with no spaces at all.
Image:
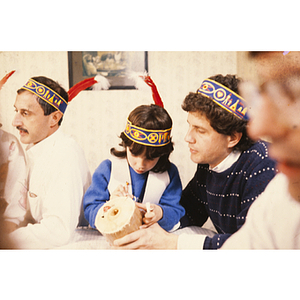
{"x":46,"y":94}
{"x":224,"y":97}
{"x":147,"y":137}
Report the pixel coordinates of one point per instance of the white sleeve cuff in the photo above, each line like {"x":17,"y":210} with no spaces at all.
{"x":190,"y":241}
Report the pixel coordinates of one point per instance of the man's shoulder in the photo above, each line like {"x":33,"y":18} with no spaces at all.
{"x":259,"y":147}
{"x":67,"y":140}
{"x":258,"y":151}
{"x":257,"y":157}
{"x":66,"y":147}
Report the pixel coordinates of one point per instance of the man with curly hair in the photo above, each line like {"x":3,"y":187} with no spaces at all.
{"x":232,"y":170}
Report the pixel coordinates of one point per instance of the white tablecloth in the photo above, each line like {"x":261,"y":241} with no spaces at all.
{"x":86,"y":238}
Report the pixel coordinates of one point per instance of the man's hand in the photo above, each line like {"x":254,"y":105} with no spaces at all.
{"x":153,"y":237}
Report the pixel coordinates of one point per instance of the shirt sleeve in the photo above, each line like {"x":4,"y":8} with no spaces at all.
{"x":97,"y":194}
{"x":169,"y":201}
{"x":190,"y":241}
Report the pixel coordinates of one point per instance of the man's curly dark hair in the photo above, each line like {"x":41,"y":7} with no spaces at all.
{"x":220,"y":120}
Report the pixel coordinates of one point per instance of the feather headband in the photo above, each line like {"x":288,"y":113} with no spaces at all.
{"x":148,"y":137}
{"x":56,"y":100}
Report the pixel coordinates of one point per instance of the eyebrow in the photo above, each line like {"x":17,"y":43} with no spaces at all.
{"x":23,"y":109}
{"x":200,"y":127}
{"x":194,"y":125}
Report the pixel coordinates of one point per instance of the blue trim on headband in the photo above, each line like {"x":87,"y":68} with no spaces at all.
{"x":147,"y":137}
{"x":224,"y":97}
{"x":45,"y":93}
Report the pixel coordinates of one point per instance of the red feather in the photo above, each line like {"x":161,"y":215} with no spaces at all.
{"x":80,"y":86}
{"x":4,"y":79}
{"x":155,"y":94}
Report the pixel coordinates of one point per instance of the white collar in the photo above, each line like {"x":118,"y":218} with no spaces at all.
{"x":226,"y":163}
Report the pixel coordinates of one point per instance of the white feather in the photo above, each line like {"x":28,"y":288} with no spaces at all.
{"x":138,"y":80}
{"x":102,"y":83}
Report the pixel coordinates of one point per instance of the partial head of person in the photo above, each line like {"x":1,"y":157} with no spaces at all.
{"x":3,"y":81}
{"x":273,"y":95}
{"x":146,"y":140}
{"x":217,"y":118}
{"x":39,"y":106}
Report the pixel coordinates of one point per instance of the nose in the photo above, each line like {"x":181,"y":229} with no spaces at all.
{"x":140,"y":163}
{"x":17,"y":121}
{"x":189,"y":137}
{"x":267,"y":122}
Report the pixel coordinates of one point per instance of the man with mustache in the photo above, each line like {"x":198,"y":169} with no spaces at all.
{"x":58,"y":173}
{"x":232,"y":170}
{"x":274,"y":96}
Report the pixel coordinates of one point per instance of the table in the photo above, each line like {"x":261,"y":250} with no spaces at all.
{"x":86,"y":238}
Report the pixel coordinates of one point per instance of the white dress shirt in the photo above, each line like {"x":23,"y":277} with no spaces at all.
{"x":273,"y":220}
{"x":58,"y":178}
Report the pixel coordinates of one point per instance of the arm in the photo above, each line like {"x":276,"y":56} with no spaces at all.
{"x":168,"y":211}
{"x":152,"y":213}
{"x":97,"y":194}
{"x":172,"y":211}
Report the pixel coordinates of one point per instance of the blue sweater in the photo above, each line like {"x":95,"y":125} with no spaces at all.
{"x":97,"y":194}
{"x":226,"y":197}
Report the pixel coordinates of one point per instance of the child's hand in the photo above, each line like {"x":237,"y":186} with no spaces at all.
{"x":120,"y":191}
{"x":151,"y":217}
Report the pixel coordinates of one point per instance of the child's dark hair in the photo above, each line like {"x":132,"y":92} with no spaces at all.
{"x":148,"y":117}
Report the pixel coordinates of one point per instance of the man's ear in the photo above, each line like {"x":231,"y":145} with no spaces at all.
{"x":234,"y":139}
{"x":55,"y":117}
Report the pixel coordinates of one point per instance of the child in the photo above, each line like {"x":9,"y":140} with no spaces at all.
{"x":142,"y":169}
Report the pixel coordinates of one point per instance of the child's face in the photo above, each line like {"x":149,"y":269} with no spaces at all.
{"x":140,"y":163}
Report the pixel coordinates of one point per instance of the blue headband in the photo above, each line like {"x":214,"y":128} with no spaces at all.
{"x":45,"y":93}
{"x":224,"y":97}
{"x":147,"y":137}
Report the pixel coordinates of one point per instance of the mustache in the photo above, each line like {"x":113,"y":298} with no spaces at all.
{"x":23,"y":129}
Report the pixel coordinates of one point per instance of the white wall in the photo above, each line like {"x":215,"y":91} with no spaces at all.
{"x":96,"y":118}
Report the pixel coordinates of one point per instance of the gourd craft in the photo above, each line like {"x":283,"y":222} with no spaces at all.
{"x":118,"y":217}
